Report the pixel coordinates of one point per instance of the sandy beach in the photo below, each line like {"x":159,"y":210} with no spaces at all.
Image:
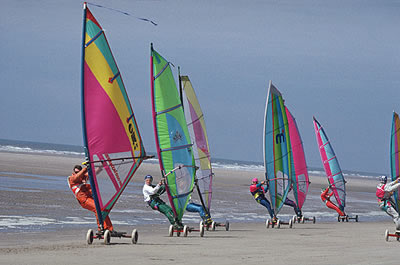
{"x":248,"y":241}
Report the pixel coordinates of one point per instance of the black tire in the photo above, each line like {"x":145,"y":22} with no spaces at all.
{"x":226,"y":225}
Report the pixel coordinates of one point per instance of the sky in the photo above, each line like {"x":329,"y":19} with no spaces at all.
{"x":336,"y":60}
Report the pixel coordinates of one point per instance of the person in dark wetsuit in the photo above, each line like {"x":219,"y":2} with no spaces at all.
{"x":257,"y":190}
{"x":291,"y":203}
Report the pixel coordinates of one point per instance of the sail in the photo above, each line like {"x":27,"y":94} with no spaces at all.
{"x":278,"y":159}
{"x":395,"y":154}
{"x":300,"y":179}
{"x":331,"y":165}
{"x":198,"y":135}
{"x":113,"y":146}
{"x":173,"y":143}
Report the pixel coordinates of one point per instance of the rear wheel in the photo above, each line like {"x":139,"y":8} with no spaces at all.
{"x":387,"y":235}
{"x":356,"y":218}
{"x":338,"y":218}
{"x":278,"y":224}
{"x":213,"y":225}
{"x":227,"y":225}
{"x":290,"y":223}
{"x":267,"y":223}
{"x":134,"y":236}
{"x":89,"y":236}
{"x":302,"y":219}
{"x":347,"y":218}
{"x":313,"y":220}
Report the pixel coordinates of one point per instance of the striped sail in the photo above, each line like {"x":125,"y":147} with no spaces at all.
{"x":331,"y":165}
{"x":113,"y":146}
{"x":173,"y":143}
{"x":395,"y":155}
{"x":198,"y":134}
{"x":278,"y":159}
{"x":300,"y":180}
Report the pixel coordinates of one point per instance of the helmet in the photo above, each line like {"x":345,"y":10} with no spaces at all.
{"x":148,"y":177}
{"x":254,"y":180}
{"x":383,"y":179}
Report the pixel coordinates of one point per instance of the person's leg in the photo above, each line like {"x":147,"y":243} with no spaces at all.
{"x":293,"y":204}
{"x":160,"y":206}
{"x":264,"y":202}
{"x":194,"y":207}
{"x":90,"y":205}
{"x":334,"y":207}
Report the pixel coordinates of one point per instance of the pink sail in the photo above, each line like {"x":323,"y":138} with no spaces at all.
{"x":301,"y":181}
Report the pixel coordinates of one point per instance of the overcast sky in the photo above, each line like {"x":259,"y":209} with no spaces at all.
{"x":337,"y":60}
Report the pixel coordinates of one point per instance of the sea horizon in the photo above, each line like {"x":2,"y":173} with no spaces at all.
{"x":22,"y":146}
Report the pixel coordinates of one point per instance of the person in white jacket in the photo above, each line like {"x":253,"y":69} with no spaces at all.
{"x":152,"y":194}
{"x":384,"y":192}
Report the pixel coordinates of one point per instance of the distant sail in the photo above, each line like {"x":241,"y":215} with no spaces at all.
{"x":331,"y":165}
{"x":395,"y":154}
{"x":198,"y":134}
{"x":173,"y":143}
{"x":278,"y":159}
{"x":113,"y":146}
{"x":300,"y":180}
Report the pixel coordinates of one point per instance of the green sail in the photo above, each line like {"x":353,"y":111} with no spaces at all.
{"x":173,"y":143}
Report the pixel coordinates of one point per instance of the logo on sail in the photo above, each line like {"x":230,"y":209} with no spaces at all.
{"x":280,"y":137}
{"x":177,"y":136}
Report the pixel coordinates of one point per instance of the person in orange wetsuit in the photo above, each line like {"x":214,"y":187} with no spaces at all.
{"x":325,"y":197}
{"x":80,"y":186}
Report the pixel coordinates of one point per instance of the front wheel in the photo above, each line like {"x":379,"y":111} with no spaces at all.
{"x":89,"y":236}
{"x":387,"y":235}
{"x":171,"y":231}
{"x":186,"y":229}
{"x":278,"y":224}
{"x":267,"y":223}
{"x":227,"y":225}
{"x":202,"y":231}
{"x":134,"y":236}
{"x":313,"y":220}
{"x":107,"y":237}
{"x":290,"y":223}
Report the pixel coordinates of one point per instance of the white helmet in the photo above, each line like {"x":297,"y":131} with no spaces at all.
{"x":383,"y":179}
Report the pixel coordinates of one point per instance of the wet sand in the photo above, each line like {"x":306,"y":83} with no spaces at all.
{"x":246,"y":242}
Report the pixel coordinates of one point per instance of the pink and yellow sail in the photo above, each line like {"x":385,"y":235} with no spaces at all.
{"x":113,"y":146}
{"x":198,"y":134}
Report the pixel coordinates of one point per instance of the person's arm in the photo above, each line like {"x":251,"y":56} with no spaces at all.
{"x":392,"y":186}
{"x":76,"y":178}
{"x":150,"y":190}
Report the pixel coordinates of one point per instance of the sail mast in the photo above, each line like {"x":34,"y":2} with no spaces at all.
{"x":85,"y":141}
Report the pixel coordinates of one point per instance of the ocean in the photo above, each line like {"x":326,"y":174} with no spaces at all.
{"x":228,"y":164}
{"x":31,"y":215}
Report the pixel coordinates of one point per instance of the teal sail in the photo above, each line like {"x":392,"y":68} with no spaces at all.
{"x":278,"y":157}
